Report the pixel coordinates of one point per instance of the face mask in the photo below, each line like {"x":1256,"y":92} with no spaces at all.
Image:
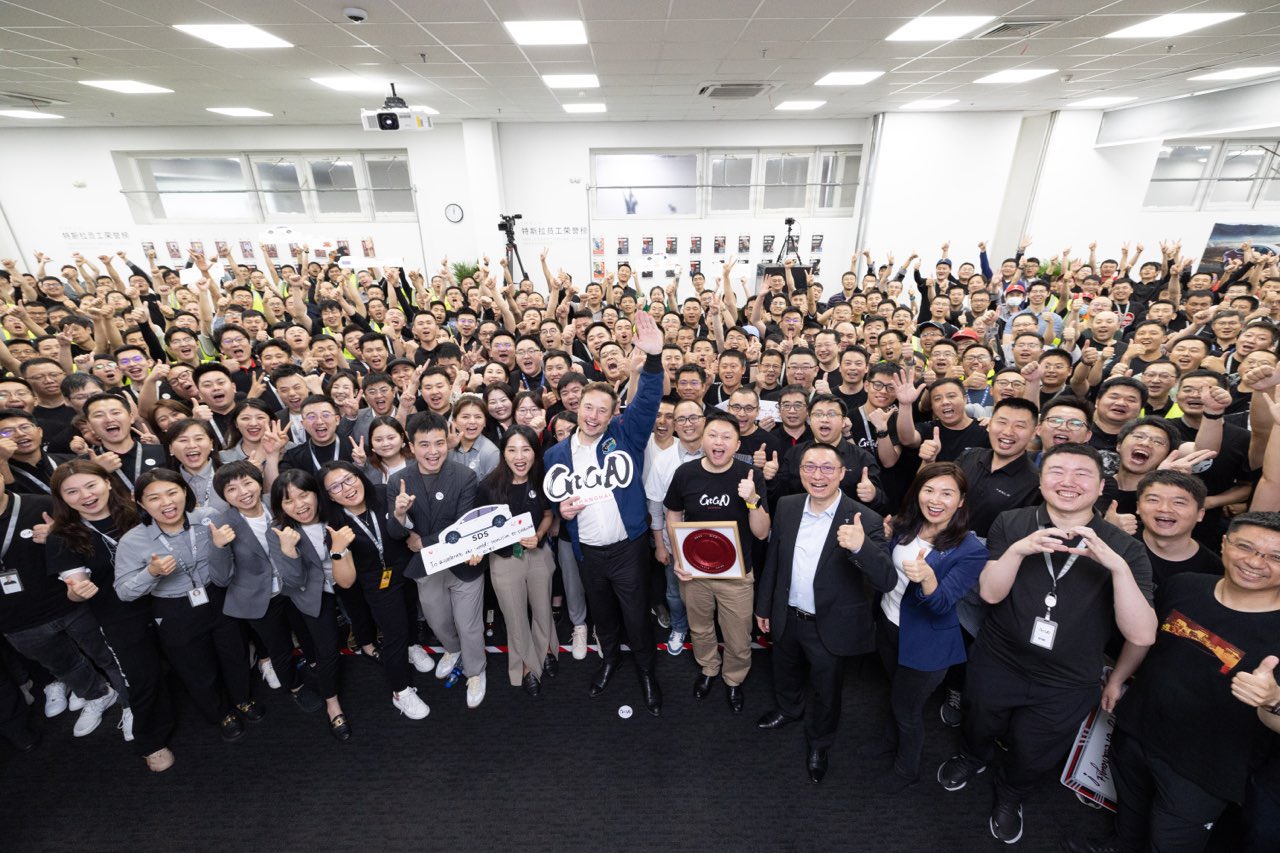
{"x":1014,"y":301}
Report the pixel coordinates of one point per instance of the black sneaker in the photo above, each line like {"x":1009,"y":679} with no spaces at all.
{"x":252,"y":710}
{"x":1006,"y":823}
{"x":232,"y":728}
{"x":958,"y":770}
{"x":663,"y":613}
{"x":950,"y":710}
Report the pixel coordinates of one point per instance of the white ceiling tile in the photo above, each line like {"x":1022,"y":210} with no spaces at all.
{"x":726,"y":9}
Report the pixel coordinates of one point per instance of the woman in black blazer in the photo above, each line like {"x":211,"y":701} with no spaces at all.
{"x":375,"y":567}
{"x":303,"y":551}
{"x":240,"y":561}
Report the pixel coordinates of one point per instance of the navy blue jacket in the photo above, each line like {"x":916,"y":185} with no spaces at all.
{"x":928,"y":628}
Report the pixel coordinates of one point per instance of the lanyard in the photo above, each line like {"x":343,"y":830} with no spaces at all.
{"x":1051,"y":597}
{"x":13,"y":525}
{"x":110,"y":543}
{"x":222,"y":441}
{"x":337,"y":452}
{"x":374,"y":534}
{"x":208,"y":484}
{"x":32,"y":478}
{"x":137,"y":467}
{"x":191,"y":540}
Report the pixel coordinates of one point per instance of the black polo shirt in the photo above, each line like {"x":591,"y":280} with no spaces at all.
{"x":1085,"y":612}
{"x":1016,"y":484}
{"x":32,"y":597}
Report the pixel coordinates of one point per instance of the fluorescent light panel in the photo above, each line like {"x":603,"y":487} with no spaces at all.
{"x":1103,"y":101}
{"x":939,"y":27}
{"x":1238,"y":73}
{"x":32,"y":114}
{"x":238,"y":112}
{"x":799,"y":105}
{"x":849,"y":78}
{"x":1016,"y":75}
{"x":1173,"y":25}
{"x":127,"y":87}
{"x":354,"y":84}
{"x":930,"y":104}
{"x":547,"y":32}
{"x":235,"y":36}
{"x":571,"y":81}
{"x":584,"y":108}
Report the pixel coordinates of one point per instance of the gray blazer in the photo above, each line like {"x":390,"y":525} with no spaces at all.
{"x":243,"y":568}
{"x":133,"y":554}
{"x":441,"y":499}
{"x":301,"y":577}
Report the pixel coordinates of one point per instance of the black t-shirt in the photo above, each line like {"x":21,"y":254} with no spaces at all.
{"x":33,"y":479}
{"x":851,"y":401}
{"x":704,"y":496}
{"x":526,"y":497}
{"x":954,"y":441}
{"x":1016,"y":484}
{"x":759,"y":438}
{"x":54,"y":419}
{"x":1085,"y":611}
{"x":369,"y":563}
{"x":1204,"y":562}
{"x":106,"y":605}
{"x":1180,"y":705}
{"x":32,"y":597}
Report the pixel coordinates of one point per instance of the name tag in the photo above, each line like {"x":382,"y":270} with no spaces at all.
{"x":1043,"y":633}
{"x":10,"y":583}
{"x":198,"y":597}
{"x":386,"y":579}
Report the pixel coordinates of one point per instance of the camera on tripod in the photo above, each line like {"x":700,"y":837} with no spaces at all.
{"x":508,"y":224}
{"x":790,"y":220}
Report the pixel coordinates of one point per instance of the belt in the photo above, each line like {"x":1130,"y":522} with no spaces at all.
{"x":803,"y":615}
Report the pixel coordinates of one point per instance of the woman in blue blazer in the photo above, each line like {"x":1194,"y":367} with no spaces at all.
{"x":938,"y":559}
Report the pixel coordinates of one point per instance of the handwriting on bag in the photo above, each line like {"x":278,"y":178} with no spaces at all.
{"x":562,"y":482}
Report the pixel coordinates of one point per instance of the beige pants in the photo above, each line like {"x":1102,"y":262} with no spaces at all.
{"x":523,"y":587}
{"x":733,"y":599}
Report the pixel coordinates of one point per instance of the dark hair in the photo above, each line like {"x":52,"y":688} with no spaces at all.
{"x":388,"y":421}
{"x":829,"y":399}
{"x":1074,"y":450}
{"x":499,"y":482}
{"x":1126,"y":382}
{"x":822,"y":445}
{"x":171,"y":405}
{"x":421,"y":422}
{"x":299,"y":479}
{"x":161,"y":475}
{"x":1192,"y":485}
{"x":1265,"y":520}
{"x":1067,"y":401}
{"x":179,"y":427}
{"x":333,"y":510}
{"x":98,"y":398}
{"x":1019,"y":403}
{"x":719,"y":417}
{"x":234,"y":471}
{"x":909,"y":521}
{"x":1170,"y":431}
{"x":233,"y":432}
{"x":1200,"y":373}
{"x":66,"y":521}
{"x":207,"y":368}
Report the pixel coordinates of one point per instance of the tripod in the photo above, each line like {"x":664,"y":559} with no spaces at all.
{"x":790,"y":244}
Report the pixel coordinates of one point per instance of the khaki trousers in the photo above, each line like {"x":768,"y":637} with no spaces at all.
{"x":523,"y":589}
{"x":733,"y":599}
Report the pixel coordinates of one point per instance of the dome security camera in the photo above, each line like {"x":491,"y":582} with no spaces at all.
{"x":355,"y":15}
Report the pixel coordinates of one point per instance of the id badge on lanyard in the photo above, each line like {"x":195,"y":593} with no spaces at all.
{"x":1045,"y":630}
{"x":10,"y":583}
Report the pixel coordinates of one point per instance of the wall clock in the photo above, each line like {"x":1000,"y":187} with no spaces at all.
{"x":453,"y":212}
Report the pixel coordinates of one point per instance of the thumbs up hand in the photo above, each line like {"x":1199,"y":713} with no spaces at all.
{"x":221,"y":536}
{"x":1258,"y":688}
{"x":40,"y":532}
{"x":747,"y":489}
{"x":918,"y":570}
{"x":930,"y":448}
{"x":1127,"y":522}
{"x":771,"y":467}
{"x":851,"y":536}
{"x":866,"y":490}
{"x":758,"y":458}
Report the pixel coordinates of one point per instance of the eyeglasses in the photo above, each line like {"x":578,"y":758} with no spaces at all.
{"x":689,"y":383}
{"x":826,"y":469}
{"x":825,"y":416}
{"x":1009,"y":383}
{"x":742,"y":408}
{"x":128,"y":360}
{"x":233,"y":339}
{"x":1073,"y":423}
{"x":20,"y":429}
{"x":1153,"y":440}
{"x":1248,"y":551}
{"x":686,"y":420}
{"x":340,"y":485}
{"x":880,"y":386}
{"x":528,"y":410}
{"x":793,"y":407}
{"x":318,"y":416}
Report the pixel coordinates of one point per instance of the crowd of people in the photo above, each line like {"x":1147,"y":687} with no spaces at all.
{"x":1029,"y":490}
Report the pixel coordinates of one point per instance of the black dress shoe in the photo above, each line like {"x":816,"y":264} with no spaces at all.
{"x":652,"y":693}
{"x":775,"y":719}
{"x":602,"y":678}
{"x":24,"y":740}
{"x":253,"y":711}
{"x":817,"y":764}
{"x":531,"y":685}
{"x":231,"y":728}
{"x":702,"y":686}
{"x":340,"y":728}
{"x":737,"y":699}
{"x":550,"y":666}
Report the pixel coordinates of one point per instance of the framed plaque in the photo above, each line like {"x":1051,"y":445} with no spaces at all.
{"x":708,"y":550}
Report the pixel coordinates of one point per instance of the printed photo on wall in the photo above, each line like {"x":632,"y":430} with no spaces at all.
{"x":744,"y":244}
{"x":624,"y":245}
{"x":221,"y":247}
{"x":815,"y":243}
{"x":766,"y":245}
{"x":718,"y":246}
{"x":695,"y":245}
{"x":695,"y":267}
{"x":148,"y":249}
{"x":175,"y":252}
{"x":246,"y":248}
{"x":344,"y":247}
{"x":197,"y":246}
{"x":272,"y":252}
{"x":1226,"y":238}
{"x":814,"y":263}
{"x":673,"y":245}
{"x":598,"y":270}
{"x":293,"y":249}
{"x":597,"y":245}
{"x":646,"y":245}
{"x":646,"y":273}
{"x":366,"y":246}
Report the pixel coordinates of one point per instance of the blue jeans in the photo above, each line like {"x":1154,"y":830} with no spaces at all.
{"x":679,"y":618}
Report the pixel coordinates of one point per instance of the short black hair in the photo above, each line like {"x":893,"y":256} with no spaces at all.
{"x":1020,"y":403}
{"x":1192,"y":485}
{"x":1074,"y":450}
{"x":234,"y":471}
{"x":424,"y":422}
{"x":719,"y":417}
{"x":1265,"y":520}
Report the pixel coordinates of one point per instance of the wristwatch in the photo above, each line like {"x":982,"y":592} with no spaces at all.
{"x":1275,"y":709}
{"x":881,"y":433}
{"x":338,"y":555}
{"x":753,"y":502}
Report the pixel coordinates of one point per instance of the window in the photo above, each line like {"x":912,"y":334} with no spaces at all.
{"x":785,"y":179}
{"x":260,"y":187}
{"x":648,"y":185}
{"x":838,"y":178}
{"x":1215,"y":174}
{"x":1177,"y":176}
{"x":731,"y":182}
{"x":1238,"y":174}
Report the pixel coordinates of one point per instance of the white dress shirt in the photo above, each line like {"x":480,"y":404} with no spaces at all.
{"x":891,"y":603}
{"x":810,"y":539}
{"x":600,"y":523}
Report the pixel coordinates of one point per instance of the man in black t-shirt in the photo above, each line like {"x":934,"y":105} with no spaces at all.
{"x":1059,"y":579}
{"x":1170,"y":504}
{"x":719,"y":488}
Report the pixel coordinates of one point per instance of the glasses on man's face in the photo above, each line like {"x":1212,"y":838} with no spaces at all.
{"x":742,"y":408}
{"x":1070,"y":423}
{"x":1153,"y":440}
{"x":1249,"y":551}
{"x":233,"y":340}
{"x":687,"y":420}
{"x":318,"y":417}
{"x":825,"y":416}
{"x":502,"y":347}
{"x":20,"y":429}
{"x":792,"y":407}
{"x":1009,"y":383}
{"x":880,"y":386}
{"x":128,"y":361}
{"x":826,"y":468}
{"x":339,"y":486}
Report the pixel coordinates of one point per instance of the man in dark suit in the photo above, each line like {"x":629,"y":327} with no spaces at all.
{"x":827,"y":559}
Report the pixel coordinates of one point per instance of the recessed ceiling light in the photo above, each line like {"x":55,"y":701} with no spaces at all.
{"x":238,"y":112}
{"x":584,"y":108}
{"x":571,"y":81}
{"x":127,"y":87}
{"x":27,"y":114}
{"x":1103,"y":101}
{"x":1015,"y":75}
{"x":930,"y":104}
{"x":352,"y":83}
{"x":849,"y":78}
{"x":1173,"y":25}
{"x":939,"y":27}
{"x":799,"y":105}
{"x":232,"y":35}
{"x":547,"y":32}
{"x":1238,"y":73}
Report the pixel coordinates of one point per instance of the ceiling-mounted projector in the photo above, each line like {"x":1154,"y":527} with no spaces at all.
{"x":395,"y":115}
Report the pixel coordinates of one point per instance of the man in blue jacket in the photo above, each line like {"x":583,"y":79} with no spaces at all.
{"x":594,"y":478}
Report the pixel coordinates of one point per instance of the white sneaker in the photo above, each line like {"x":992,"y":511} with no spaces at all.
{"x":269,"y":673}
{"x":579,"y":642}
{"x":126,"y":725}
{"x":408,"y":703}
{"x":421,"y":661}
{"x":74,"y":703}
{"x":475,"y":690}
{"x":675,"y":643}
{"x":55,"y":699}
{"x":445,"y":666}
{"x":91,"y":716}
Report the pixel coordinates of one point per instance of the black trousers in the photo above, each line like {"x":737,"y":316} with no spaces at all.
{"x":357,"y":611}
{"x":207,"y":649}
{"x":1040,"y":723}
{"x":801,"y":661}
{"x":136,"y":649}
{"x":908,"y":691}
{"x":323,"y":629}
{"x":14,"y":712}
{"x":1159,"y":809}
{"x":71,"y":647}
{"x":276,"y":633}
{"x":1262,"y":812}
{"x":394,"y":613}
{"x":616,"y":580}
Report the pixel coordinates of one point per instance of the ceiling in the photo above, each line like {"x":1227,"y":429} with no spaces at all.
{"x":651,"y":56}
